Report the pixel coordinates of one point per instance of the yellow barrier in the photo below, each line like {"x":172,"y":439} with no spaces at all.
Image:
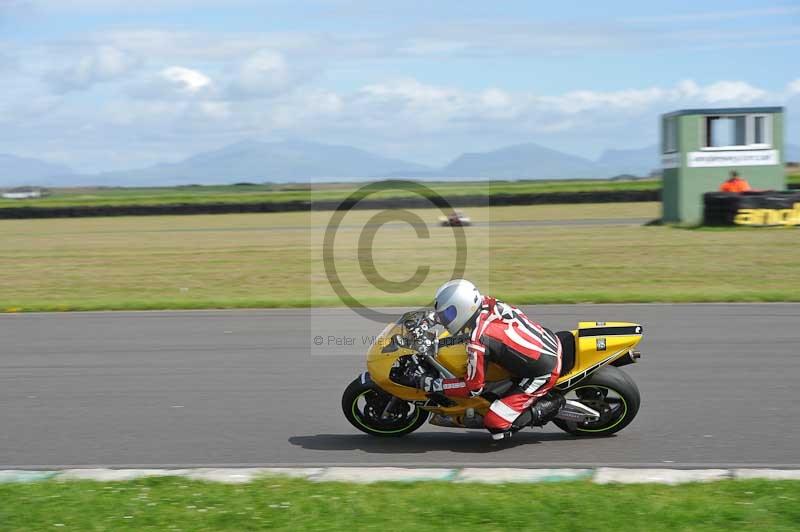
{"x":787,"y":217}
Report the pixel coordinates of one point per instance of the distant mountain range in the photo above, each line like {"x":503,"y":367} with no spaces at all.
{"x":252,"y":161}
{"x":17,"y":171}
{"x":523,"y":161}
{"x":288,"y":161}
{"x":640,"y":161}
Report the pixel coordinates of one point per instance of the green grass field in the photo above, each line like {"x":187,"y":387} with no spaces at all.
{"x":275,"y":260}
{"x":282,"y":504}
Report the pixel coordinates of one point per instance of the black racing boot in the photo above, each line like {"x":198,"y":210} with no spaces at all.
{"x":501,"y":436}
{"x":546,"y":409}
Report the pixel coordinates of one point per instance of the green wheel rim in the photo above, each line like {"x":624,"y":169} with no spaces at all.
{"x":618,"y":421}
{"x":357,"y":417}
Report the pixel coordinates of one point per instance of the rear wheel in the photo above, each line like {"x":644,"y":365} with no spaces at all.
{"x":609,"y":391}
{"x":371,"y":410}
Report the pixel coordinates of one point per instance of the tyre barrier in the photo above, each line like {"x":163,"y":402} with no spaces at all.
{"x":758,"y":209}
{"x":328,"y":205}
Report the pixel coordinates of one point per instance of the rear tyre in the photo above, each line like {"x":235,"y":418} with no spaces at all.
{"x":364,"y":405}
{"x":611,"y":392}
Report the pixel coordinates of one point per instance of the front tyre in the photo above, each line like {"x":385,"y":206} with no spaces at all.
{"x":371,"y":410}
{"x":609,"y":391}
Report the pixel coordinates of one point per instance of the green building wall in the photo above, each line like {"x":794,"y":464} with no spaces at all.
{"x":684,"y":186}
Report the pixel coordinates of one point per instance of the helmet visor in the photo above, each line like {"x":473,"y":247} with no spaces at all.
{"x":446,"y":316}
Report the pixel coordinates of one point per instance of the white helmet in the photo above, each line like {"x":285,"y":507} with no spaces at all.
{"x":456,"y":303}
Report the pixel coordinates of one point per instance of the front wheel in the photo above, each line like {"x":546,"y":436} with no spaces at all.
{"x":609,"y":391}
{"x":371,"y":410}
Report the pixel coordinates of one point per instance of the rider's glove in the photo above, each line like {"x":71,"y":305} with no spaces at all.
{"x":430,"y":384}
{"x":415,"y":376}
{"x":407,"y":371}
{"x":426,"y":381}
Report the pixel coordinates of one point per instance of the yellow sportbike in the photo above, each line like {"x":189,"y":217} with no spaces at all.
{"x":600,"y":398}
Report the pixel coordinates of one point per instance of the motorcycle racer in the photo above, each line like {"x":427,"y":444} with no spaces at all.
{"x":504,"y":335}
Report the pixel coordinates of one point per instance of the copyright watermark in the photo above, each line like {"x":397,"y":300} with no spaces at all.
{"x":331,"y":340}
{"x":415,"y":272}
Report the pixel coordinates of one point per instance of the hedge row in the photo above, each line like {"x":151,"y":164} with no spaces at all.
{"x":327,"y":205}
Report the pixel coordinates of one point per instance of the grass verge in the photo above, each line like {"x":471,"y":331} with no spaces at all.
{"x":567,"y":298}
{"x":178,"y":504}
{"x":536,"y":254}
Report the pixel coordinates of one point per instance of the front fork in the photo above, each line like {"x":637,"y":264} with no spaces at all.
{"x":393,"y":402}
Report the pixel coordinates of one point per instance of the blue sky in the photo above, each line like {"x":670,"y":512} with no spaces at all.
{"x":111,"y":84}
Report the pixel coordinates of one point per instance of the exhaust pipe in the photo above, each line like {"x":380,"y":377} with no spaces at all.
{"x":474,"y":421}
{"x":577,"y":412}
{"x":630,"y":358}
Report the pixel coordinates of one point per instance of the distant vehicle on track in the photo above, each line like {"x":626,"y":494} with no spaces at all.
{"x":24,"y":193}
{"x":456,"y":218}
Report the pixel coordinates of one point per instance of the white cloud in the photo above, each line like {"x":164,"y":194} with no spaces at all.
{"x":101,"y":64}
{"x":496,"y":98}
{"x":407,"y":107}
{"x":323,"y":102}
{"x":207,"y":46}
{"x":190,"y":89}
{"x":264,"y":73}
{"x":186,"y":79}
{"x":585,"y":100}
{"x":738,"y":92}
{"x":410,"y":103}
{"x":437,"y":106}
{"x":684,"y":92}
{"x":688,"y":88}
{"x":297,"y":113}
{"x":413,"y":93}
{"x":173,"y":83}
{"x":498,"y":104}
{"x":181,"y":109}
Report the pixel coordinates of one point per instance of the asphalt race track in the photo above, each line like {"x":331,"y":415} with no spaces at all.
{"x":214,"y":388}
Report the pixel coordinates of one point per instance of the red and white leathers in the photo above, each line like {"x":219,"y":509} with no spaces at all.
{"x":505,"y":336}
